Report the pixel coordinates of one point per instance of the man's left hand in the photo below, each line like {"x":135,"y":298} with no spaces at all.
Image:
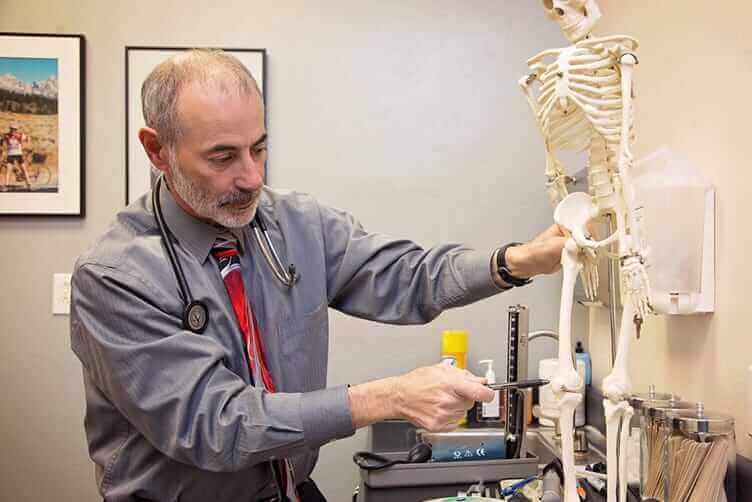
{"x":541,"y":255}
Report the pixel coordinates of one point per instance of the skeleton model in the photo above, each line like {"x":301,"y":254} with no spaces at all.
{"x":581,"y":97}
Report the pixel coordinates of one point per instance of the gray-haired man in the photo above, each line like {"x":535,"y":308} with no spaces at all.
{"x":175,"y":415}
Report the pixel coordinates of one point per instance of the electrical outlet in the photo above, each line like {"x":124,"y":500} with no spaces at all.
{"x":61,"y":294}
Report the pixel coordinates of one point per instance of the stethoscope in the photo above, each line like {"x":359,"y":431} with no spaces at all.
{"x":195,"y":312}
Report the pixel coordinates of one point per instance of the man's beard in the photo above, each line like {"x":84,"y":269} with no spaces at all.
{"x":232,"y":210}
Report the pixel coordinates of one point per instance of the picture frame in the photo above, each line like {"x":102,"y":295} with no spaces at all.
{"x":42,"y":124}
{"x":139,"y":62}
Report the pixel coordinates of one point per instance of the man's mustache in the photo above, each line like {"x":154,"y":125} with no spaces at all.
{"x":238,"y":198}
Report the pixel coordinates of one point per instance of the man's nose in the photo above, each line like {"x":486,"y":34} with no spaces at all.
{"x":252,"y":175}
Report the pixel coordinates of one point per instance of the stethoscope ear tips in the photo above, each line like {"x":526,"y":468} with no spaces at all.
{"x":293,"y":273}
{"x":288,"y":277}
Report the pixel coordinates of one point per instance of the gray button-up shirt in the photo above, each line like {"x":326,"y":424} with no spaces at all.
{"x":172,"y":415}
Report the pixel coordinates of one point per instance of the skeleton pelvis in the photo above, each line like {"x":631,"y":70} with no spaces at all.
{"x":575,"y":211}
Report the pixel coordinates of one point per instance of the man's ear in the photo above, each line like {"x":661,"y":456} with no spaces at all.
{"x":155,"y":150}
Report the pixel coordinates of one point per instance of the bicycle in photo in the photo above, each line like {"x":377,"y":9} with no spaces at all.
{"x":39,"y":175}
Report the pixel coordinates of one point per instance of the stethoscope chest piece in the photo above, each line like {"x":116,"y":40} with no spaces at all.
{"x":195,"y":317}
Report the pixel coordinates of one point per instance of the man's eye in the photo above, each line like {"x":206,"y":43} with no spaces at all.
{"x":223,"y":159}
{"x":260,"y":148}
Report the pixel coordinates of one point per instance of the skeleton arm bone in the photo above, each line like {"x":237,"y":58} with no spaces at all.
{"x":626,"y":63}
{"x":524,"y":83}
{"x":544,"y":115}
{"x":634,"y":251}
{"x":556,"y":181}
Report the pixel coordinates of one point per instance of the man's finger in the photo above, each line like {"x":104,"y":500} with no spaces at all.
{"x":474,"y":378}
{"x":466,"y":404}
{"x":553,"y":231}
{"x":473,"y":391}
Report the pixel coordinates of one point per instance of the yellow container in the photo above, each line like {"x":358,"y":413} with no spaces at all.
{"x":454,"y":352}
{"x":454,"y":348}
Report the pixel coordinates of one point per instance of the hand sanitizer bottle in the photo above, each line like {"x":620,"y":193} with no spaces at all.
{"x":490,"y":412}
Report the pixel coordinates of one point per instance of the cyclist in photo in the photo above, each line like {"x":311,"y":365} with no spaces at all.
{"x":14,"y":142}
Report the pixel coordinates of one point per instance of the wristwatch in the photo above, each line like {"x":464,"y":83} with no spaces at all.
{"x":503,"y":270}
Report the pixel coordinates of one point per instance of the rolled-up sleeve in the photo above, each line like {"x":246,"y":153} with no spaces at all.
{"x":376,"y":277}
{"x":174,"y":387}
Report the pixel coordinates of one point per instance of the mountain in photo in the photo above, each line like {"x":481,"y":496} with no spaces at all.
{"x":45,"y":88}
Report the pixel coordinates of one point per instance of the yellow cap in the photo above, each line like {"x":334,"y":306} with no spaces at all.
{"x":454,"y":341}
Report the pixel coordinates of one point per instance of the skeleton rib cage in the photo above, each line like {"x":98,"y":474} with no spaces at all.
{"x":579,"y":108}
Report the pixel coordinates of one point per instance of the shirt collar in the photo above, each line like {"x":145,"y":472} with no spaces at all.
{"x":195,"y":235}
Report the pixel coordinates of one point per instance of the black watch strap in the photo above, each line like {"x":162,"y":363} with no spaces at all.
{"x":503,"y":269}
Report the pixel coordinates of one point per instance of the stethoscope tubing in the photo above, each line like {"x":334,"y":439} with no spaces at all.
{"x":195,"y":315}
{"x":185,"y":289}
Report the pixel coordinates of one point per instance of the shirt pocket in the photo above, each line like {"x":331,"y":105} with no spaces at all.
{"x":304,"y":343}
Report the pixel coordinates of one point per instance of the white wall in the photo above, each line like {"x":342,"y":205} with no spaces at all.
{"x":693,"y":84}
{"x":405,"y":113}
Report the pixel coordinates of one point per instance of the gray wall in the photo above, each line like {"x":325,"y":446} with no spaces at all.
{"x":407,"y":114}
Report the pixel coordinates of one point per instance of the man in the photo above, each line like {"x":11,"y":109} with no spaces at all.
{"x":14,"y":142}
{"x":239,"y":411}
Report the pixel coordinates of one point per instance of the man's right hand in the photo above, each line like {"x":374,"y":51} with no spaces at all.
{"x":434,"y":397}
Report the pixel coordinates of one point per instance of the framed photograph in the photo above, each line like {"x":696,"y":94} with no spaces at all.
{"x":42,"y":90}
{"x":139,"y":62}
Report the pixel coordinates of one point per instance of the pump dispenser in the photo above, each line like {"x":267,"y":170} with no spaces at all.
{"x":490,"y":412}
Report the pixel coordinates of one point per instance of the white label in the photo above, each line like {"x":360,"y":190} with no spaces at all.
{"x":491,"y":410}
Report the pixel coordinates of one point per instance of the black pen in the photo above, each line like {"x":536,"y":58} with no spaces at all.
{"x":523,"y":384}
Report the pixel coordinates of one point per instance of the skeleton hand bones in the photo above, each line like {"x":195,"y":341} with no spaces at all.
{"x":573,"y":213}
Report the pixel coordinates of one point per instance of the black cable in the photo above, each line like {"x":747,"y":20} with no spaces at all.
{"x":369,"y":461}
